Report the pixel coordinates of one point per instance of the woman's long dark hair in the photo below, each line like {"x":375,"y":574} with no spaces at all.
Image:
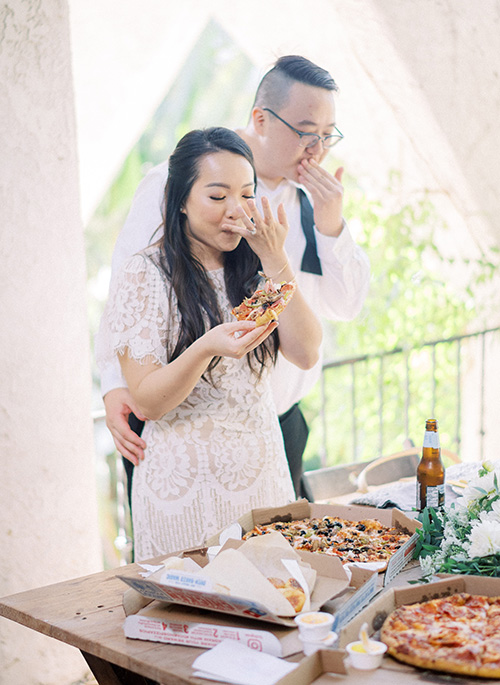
{"x":197,"y":301}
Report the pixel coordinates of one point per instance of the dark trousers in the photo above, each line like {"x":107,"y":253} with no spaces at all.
{"x":137,"y":426}
{"x":295,"y":432}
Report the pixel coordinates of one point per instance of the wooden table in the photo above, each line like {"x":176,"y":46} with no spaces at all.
{"x":87,"y":613}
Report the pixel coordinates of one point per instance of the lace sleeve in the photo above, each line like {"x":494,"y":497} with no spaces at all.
{"x":135,"y":317}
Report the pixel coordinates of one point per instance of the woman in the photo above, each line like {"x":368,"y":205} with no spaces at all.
{"x":214,"y":445}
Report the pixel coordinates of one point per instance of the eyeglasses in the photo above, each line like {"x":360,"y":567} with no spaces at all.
{"x":308,"y":140}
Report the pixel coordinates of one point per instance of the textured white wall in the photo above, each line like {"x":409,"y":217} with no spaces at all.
{"x":451,"y":50}
{"x":419,"y":87}
{"x":48,"y":513}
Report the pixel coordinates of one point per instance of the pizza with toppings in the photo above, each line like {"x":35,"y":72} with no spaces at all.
{"x":292,"y":590}
{"x":266,"y":304}
{"x":456,"y":634}
{"x":361,"y":541}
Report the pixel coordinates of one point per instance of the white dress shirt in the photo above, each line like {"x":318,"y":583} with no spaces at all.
{"x":336,"y":295}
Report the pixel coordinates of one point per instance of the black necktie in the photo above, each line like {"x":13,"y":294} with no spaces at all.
{"x":310,"y":259}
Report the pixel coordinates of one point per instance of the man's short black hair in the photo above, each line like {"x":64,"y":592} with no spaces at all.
{"x":274,"y":88}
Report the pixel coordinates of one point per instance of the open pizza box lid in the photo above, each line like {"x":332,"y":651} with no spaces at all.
{"x":302,"y":509}
{"x":230,"y":584}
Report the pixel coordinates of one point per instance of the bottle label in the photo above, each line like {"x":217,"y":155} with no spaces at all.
{"x":434,"y":496}
{"x":431,"y":439}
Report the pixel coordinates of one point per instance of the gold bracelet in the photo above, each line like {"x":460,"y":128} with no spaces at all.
{"x":282,"y":269}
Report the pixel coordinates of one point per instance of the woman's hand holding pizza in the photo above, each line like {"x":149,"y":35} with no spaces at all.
{"x":236,"y":339}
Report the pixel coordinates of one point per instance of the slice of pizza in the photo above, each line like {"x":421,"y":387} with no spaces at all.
{"x":292,"y":590}
{"x":266,"y":304}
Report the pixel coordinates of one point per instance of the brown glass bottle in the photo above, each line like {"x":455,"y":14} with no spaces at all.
{"x":430,"y":470}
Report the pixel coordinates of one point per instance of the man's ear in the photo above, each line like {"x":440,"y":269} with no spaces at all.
{"x":258,"y":119}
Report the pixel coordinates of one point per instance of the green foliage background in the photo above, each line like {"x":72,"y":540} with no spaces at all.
{"x":412,"y":301}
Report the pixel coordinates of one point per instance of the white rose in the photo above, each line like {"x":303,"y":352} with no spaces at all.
{"x":478,"y":486}
{"x":484,"y":539}
{"x":495,"y":509}
{"x":427,"y":565}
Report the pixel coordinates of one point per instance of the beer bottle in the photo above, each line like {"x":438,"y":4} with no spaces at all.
{"x":430,"y":470}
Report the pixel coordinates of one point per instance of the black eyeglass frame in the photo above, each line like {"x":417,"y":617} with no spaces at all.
{"x":324,"y":139}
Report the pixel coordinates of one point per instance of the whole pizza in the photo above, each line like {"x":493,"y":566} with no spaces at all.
{"x":362,"y":541}
{"x":456,"y":634}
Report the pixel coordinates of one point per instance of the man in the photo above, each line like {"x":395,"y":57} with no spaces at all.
{"x":291,"y":128}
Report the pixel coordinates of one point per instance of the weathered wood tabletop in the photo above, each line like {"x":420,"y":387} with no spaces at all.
{"x":87,"y":613}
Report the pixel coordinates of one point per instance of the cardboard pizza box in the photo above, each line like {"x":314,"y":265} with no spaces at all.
{"x":376,"y":613}
{"x":160,"y":621}
{"x":190,"y":589}
{"x":378,"y":610}
{"x":194,"y":627}
{"x":363,"y":586}
{"x":301,"y":509}
{"x":327,"y":667}
{"x":321,"y":662}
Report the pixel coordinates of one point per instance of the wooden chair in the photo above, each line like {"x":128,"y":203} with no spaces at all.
{"x":392,"y":467}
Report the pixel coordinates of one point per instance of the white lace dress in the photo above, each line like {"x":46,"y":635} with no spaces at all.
{"x":220,"y":452}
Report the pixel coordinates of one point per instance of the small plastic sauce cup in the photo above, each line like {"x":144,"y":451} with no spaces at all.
{"x":311,"y":646}
{"x":363,"y":660}
{"x":314,"y":625}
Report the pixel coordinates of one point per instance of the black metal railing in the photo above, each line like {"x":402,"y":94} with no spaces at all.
{"x":403,"y":356}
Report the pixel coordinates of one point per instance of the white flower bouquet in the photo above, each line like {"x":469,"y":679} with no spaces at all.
{"x":465,"y":537}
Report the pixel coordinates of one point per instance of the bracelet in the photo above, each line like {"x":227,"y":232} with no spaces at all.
{"x":290,"y":280}
{"x":282,"y":269}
